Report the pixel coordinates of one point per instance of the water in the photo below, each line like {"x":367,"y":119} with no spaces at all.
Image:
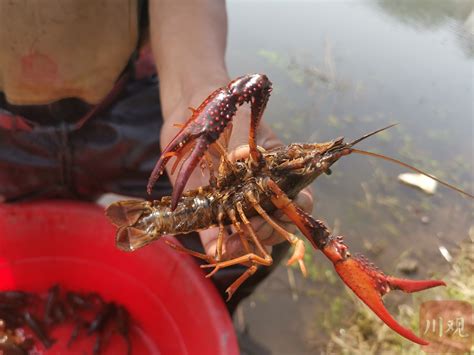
{"x":346,"y":68}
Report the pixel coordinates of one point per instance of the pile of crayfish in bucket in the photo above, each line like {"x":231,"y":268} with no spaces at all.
{"x":27,"y":319}
{"x":264,"y":181}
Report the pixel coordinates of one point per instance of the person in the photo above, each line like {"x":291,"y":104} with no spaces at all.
{"x":82,"y":111}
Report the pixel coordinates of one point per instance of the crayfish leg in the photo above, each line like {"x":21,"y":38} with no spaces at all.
{"x":249,"y":257}
{"x":220,"y":235}
{"x":240,"y":280}
{"x":196,"y":254}
{"x":298,"y":253}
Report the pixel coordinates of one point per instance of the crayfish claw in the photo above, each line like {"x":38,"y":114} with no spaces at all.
{"x":176,"y":148}
{"x":209,"y":121}
{"x":370,"y":284}
{"x":187,"y":169}
{"x":410,"y":286}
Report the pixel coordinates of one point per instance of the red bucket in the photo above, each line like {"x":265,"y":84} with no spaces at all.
{"x":175,"y":310}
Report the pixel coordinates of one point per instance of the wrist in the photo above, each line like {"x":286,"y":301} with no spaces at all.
{"x":177,"y":95}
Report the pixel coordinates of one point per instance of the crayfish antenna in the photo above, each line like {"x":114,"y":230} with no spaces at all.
{"x":396,"y":161}
{"x":365,"y":136}
{"x":370,"y":284}
{"x":408,"y":166}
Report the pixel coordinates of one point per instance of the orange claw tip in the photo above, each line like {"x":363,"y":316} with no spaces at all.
{"x":413,"y":285}
{"x":377,"y":306}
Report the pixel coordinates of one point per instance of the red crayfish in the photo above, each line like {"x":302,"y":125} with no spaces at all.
{"x":264,"y":181}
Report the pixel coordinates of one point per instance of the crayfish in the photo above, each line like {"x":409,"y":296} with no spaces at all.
{"x":264,"y":181}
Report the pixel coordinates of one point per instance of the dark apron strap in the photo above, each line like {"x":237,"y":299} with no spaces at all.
{"x":106,"y":102}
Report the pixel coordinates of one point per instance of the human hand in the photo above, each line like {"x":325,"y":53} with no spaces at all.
{"x":237,"y":148}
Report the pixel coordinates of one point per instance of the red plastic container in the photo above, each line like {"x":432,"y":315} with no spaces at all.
{"x":174,"y":308}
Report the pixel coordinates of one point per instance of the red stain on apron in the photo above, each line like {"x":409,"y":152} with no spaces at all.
{"x":39,"y":68}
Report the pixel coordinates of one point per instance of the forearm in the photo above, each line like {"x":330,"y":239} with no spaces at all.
{"x":189,"y":41}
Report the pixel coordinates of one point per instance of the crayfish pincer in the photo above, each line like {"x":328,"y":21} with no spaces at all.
{"x":264,"y":181}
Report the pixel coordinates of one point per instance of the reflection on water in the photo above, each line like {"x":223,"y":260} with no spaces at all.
{"x":346,"y":68}
{"x":433,"y":14}
{"x":427,"y":13}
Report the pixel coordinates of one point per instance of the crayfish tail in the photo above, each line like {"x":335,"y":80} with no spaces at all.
{"x":130,"y":239}
{"x":126,"y":213}
{"x":370,"y":284}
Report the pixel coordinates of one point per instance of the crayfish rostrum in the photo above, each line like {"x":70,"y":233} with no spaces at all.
{"x":264,"y":181}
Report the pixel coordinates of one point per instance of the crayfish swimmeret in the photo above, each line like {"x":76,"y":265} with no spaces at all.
{"x":266,"y":180}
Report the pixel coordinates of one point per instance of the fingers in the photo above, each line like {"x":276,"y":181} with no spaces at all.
{"x":241,"y":152}
{"x":231,"y":248}
{"x":209,"y":240}
{"x":305,"y":199}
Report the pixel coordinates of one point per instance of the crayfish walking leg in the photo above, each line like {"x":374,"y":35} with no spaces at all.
{"x":251,"y":257}
{"x":196,"y":254}
{"x":363,"y":278}
{"x":299,"y":251}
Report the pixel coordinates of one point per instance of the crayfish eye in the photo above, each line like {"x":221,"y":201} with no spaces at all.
{"x":328,"y":171}
{"x":240,"y":165}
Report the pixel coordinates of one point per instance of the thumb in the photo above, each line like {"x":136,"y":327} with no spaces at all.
{"x":231,"y":247}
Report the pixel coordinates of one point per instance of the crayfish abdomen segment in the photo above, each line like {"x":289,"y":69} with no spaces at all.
{"x":141,"y":222}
